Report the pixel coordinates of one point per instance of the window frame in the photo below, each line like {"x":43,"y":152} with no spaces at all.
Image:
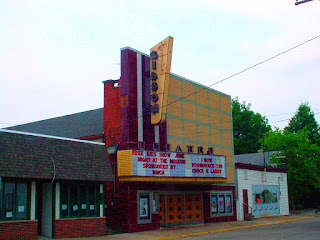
{"x":143,"y":197}
{"x":16,"y":201}
{"x":74,"y":203}
{"x":215,"y":209}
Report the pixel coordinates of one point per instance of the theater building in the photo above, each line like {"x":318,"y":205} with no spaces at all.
{"x":170,"y":143}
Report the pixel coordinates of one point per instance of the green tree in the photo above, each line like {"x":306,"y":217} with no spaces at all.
{"x":304,"y":119}
{"x":302,"y":163}
{"x":248,"y":128}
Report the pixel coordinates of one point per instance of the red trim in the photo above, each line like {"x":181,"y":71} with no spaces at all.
{"x":259,"y":168}
{"x":91,"y":137}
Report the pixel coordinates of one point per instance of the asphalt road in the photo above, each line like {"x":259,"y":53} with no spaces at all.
{"x":307,"y":229}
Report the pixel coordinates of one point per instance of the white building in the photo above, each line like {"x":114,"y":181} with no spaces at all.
{"x":262,"y":189}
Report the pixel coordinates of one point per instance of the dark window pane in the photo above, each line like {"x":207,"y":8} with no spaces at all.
{"x":64,"y":196}
{"x":9,"y":189}
{"x":21,"y":204}
{"x":92,"y":200}
{"x":74,"y":200}
{"x":83,"y":200}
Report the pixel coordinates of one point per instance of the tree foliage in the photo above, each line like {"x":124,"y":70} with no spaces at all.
{"x":304,"y":119}
{"x":303,"y":162}
{"x":248,"y":128}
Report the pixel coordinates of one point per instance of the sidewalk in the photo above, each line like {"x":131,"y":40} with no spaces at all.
{"x":179,"y":232}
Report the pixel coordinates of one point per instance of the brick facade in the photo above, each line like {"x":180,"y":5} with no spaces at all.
{"x":122,"y":213}
{"x":111,"y":112}
{"x":26,"y":230}
{"x":80,"y":227}
{"x":122,"y":126}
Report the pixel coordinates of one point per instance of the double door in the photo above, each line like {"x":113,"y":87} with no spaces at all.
{"x":180,"y":209}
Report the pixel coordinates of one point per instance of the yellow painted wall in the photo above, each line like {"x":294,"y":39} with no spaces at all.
{"x":200,"y":119}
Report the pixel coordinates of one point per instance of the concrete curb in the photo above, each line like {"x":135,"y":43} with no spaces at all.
{"x":174,"y":233}
{"x":229,"y":229}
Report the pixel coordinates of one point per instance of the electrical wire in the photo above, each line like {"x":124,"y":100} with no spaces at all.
{"x":54,"y":170}
{"x":237,"y":73}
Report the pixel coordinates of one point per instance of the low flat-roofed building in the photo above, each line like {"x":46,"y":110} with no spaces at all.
{"x":262,"y":186}
{"x":51,"y":186}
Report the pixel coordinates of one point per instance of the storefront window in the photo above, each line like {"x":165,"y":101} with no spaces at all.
{"x":258,"y":198}
{"x":214,"y":203}
{"x":13,"y":199}
{"x":265,"y":197}
{"x":221,"y":203}
{"x":144,"y":213}
{"x":274,"y":198}
{"x":79,"y":200}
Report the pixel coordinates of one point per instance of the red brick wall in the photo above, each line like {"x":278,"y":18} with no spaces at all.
{"x":111,"y":114}
{"x":19,"y":230}
{"x":207,"y":209}
{"x":122,"y":215}
{"x":80,"y":227}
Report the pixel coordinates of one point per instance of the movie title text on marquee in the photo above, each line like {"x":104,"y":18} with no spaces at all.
{"x":170,"y":164}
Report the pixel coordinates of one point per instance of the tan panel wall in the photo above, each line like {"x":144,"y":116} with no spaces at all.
{"x":202,"y":97}
{"x":205,"y":121}
{"x":214,"y":118}
{"x":225,"y":104}
{"x":188,"y":91}
{"x":214,"y":100}
{"x":174,"y":107}
{"x":203,"y":115}
{"x":203,"y":134}
{"x":175,"y":87}
{"x":227,"y":139}
{"x":190,"y":130}
{"x":215,"y":136}
{"x":226,"y":121}
{"x":189,"y":111}
{"x":230,"y":175}
{"x":174,"y":127}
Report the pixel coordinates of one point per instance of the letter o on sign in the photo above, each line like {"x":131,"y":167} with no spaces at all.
{"x":154,"y":86}
{"x":154,"y":97}
{"x":154,"y":76}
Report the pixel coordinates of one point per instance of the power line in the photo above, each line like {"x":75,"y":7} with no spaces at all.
{"x":240,"y":72}
{"x":288,"y":119}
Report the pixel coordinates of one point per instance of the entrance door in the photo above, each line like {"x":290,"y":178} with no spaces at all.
{"x":245,"y":202}
{"x":46,"y":216}
{"x":171,"y":211}
{"x":180,"y":209}
{"x":162,"y":209}
{"x":179,"y":204}
{"x":193,"y":208}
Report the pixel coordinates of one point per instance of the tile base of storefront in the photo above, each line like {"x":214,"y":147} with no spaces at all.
{"x":122,"y":213}
{"x":26,"y":230}
{"x":80,"y":227}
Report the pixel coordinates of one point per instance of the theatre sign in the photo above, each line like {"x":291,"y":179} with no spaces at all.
{"x":170,"y":166}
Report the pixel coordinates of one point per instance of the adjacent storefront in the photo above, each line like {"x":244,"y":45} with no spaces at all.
{"x":51,"y":186}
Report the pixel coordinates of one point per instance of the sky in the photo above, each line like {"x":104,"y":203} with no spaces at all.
{"x":55,"y":54}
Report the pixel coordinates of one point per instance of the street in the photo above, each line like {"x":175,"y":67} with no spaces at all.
{"x":307,"y":229}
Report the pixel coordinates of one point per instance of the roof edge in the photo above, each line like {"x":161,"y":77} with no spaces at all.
{"x":49,"y":136}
